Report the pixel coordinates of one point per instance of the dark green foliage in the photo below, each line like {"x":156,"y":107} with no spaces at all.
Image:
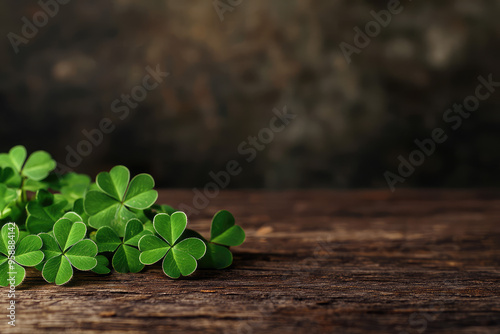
{"x":59,"y":223}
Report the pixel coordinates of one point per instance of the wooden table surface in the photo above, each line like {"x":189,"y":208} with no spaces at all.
{"x":416,"y":261}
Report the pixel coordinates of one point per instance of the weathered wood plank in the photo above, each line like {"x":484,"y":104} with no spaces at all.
{"x":314,"y":262}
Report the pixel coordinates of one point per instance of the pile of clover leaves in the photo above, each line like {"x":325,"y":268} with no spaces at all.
{"x":58,"y":223}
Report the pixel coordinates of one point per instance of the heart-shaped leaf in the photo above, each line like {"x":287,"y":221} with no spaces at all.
{"x":10,"y":273}
{"x":170,"y":227}
{"x":38,"y":166}
{"x":192,"y":246}
{"x":14,"y":159}
{"x":68,"y":233}
{"x":50,"y":248}
{"x":126,"y":260}
{"x":28,"y":251}
{"x":102,"y":265}
{"x":82,"y":254}
{"x":57,"y":270}
{"x":5,"y":174}
{"x":134,"y":231}
{"x":9,"y":177}
{"x":114,"y":183}
{"x":224,"y":231}
{"x":102,"y":210}
{"x":9,"y":235}
{"x":216,"y":257}
{"x":152,"y":248}
{"x":140,"y":194}
{"x":73,"y":216}
{"x":7,"y":197}
{"x":181,"y":260}
{"x":178,"y":263}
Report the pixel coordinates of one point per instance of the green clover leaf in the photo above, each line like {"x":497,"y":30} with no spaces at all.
{"x":8,"y":177}
{"x":7,"y":199}
{"x":111,"y":205}
{"x":14,"y":160}
{"x":102,"y":265}
{"x":67,"y":249}
{"x":179,"y":258}
{"x":224,"y":233}
{"x":126,"y":257}
{"x":44,"y":211}
{"x":121,"y":209}
{"x":216,"y":256}
{"x":5,"y":174}
{"x":16,"y":253}
{"x":37,"y":167}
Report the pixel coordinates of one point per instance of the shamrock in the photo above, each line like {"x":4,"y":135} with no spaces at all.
{"x":179,"y":258}
{"x":111,"y":205}
{"x":67,"y":249}
{"x":15,"y":253}
{"x":223,"y":233}
{"x":44,"y":211}
{"x":126,"y":258}
{"x":37,"y":167}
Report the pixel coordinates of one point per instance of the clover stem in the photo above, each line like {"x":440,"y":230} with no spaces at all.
{"x":24,"y":196}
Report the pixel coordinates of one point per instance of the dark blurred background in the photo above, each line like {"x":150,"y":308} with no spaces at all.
{"x":230,"y":63}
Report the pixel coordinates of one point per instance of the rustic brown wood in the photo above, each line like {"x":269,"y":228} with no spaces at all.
{"x":314,"y":262}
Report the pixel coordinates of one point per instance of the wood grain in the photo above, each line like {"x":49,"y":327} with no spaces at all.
{"x":314,"y":262}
